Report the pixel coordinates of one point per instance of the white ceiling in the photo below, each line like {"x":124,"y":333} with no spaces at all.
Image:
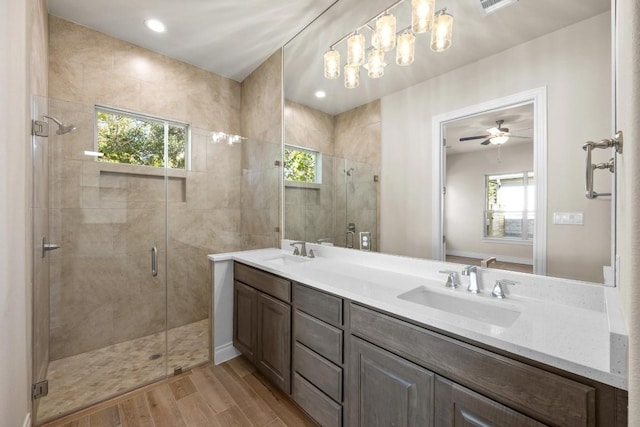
{"x":228,"y":37}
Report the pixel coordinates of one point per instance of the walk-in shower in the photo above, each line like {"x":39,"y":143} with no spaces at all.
{"x":104,"y":323}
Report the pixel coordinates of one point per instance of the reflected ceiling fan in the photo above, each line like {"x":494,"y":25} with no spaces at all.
{"x":498,"y":135}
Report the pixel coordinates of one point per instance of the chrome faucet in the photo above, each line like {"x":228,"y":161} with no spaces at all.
{"x":498,"y":292}
{"x":485,"y":262}
{"x":452,"y":279}
{"x":303,"y":248}
{"x":472,"y":272}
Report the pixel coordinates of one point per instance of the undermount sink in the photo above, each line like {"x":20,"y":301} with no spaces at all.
{"x":286,"y":259}
{"x":493,"y":314}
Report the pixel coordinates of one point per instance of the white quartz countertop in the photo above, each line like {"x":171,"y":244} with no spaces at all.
{"x":573,"y":326}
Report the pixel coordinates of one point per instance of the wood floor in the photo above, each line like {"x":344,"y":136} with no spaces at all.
{"x":501,"y":265}
{"x":230,"y":394}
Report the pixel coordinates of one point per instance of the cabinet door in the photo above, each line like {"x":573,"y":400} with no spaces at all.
{"x":460,"y":407}
{"x":274,"y":341}
{"x":386,"y":390}
{"x":245,"y":326}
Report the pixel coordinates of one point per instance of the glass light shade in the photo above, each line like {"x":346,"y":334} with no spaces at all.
{"x":386,"y":32}
{"x":355,"y":49}
{"x":422,"y":15}
{"x":351,"y":76}
{"x":499,"y":140}
{"x":332,"y":64}
{"x":375,"y":63}
{"x":406,"y":49}
{"x":441,"y":32}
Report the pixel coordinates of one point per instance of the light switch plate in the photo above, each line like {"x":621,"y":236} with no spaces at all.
{"x":568,"y":218}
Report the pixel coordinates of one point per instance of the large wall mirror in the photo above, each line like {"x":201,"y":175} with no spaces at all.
{"x":405,"y":164}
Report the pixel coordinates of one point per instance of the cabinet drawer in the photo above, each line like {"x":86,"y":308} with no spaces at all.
{"x":320,"y":372}
{"x":318,"y":304}
{"x":539,"y":394}
{"x":323,"y":410}
{"x":324,"y":339}
{"x":270,"y":284}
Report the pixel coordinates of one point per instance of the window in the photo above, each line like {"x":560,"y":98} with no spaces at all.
{"x":134,"y":139}
{"x":510,"y":206}
{"x":302,"y":165}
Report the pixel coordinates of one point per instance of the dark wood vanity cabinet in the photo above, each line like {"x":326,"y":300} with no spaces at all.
{"x":262,"y":322}
{"x":348,"y":364}
{"x":318,"y":354}
{"x":387,"y":390}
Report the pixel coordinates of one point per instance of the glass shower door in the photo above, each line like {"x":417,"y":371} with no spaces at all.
{"x":107,"y":282}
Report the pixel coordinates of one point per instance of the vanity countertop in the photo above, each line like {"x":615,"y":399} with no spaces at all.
{"x":574,"y":326}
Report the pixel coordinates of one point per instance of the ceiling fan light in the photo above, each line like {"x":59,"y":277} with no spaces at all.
{"x":355,"y":49}
{"x":375,"y":63}
{"x":386,"y":32}
{"x":442,"y":31}
{"x":499,"y":140}
{"x":351,"y":76}
{"x":422,"y":12}
{"x":332,"y":64}
{"x":406,"y":49}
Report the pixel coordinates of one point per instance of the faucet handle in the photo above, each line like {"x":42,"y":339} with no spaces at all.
{"x":452,"y":278}
{"x":497,"y":291}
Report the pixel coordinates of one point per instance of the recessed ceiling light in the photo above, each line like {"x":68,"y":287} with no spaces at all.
{"x":155,"y":25}
{"x":320,"y":94}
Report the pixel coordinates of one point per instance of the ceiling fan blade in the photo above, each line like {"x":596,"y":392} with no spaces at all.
{"x":521,"y":137}
{"x":469,"y":138}
{"x":486,"y":141}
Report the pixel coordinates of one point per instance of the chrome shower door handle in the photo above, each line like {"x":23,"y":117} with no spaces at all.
{"x":154,"y":261}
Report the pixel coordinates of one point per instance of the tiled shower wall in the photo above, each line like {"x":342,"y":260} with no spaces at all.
{"x":347,"y":140}
{"x":107,"y":217}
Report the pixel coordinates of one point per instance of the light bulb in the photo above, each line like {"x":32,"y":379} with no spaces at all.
{"x":499,"y":140}
{"x":422,"y":15}
{"x":406,"y":49}
{"x":441,"y":32}
{"x":351,"y":76}
{"x":355,"y":49}
{"x":386,"y":32}
{"x":375,"y":63}
{"x":332,"y":64}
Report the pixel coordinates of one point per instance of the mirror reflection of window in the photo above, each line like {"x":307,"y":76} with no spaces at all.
{"x":510,"y":206}
{"x":302,"y":165}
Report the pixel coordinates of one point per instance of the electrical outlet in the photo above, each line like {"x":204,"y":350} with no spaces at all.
{"x":365,"y":240}
{"x":568,"y":218}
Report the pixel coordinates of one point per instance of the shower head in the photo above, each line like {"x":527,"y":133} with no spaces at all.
{"x":348,"y":172}
{"x":62,"y":128}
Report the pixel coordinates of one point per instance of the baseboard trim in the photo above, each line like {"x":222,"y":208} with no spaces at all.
{"x":225,"y":352}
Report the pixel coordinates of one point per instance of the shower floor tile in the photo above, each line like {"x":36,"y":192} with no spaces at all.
{"x":86,"y":378}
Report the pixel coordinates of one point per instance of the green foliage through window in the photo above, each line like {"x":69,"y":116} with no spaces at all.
{"x":137,"y":140}
{"x":300,"y":164}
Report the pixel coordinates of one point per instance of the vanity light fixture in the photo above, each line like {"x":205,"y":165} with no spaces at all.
{"x":386,"y":32}
{"x":351,"y":76}
{"x":406,"y":50}
{"x":442,"y":31}
{"x":355,"y":49}
{"x":332,"y":64}
{"x":155,"y":25}
{"x":375,"y":63}
{"x":385,"y":37}
{"x":221,"y":137}
{"x":422,"y":15}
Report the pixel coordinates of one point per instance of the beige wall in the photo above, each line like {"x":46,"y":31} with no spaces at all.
{"x":465,"y":201}
{"x":573,"y":64}
{"x":107,"y":218}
